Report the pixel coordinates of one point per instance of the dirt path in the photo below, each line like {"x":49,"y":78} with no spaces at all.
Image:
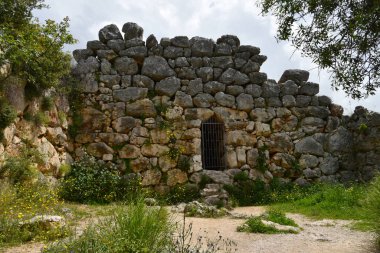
{"x":326,"y":236}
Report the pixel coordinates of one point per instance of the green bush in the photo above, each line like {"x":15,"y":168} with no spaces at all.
{"x":181,"y":194}
{"x":22,"y":168}
{"x":90,"y":181}
{"x":279,"y":218}
{"x":41,"y":119}
{"x":248,"y":192}
{"x":255,"y":225}
{"x":132,"y":229}
{"x":7,"y":115}
{"x":47,"y":103}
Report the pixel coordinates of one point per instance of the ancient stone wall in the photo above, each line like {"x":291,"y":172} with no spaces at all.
{"x":145,"y":102}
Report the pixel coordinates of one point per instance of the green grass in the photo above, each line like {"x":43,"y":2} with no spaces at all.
{"x":280,"y":218}
{"x":372,"y":206}
{"x":133,"y":228}
{"x":255,"y":225}
{"x":328,"y":201}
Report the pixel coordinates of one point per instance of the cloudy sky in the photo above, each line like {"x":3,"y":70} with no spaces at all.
{"x":206,"y":18}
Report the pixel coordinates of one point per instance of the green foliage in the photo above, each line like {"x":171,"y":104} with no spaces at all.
{"x":76,"y":105}
{"x":183,"y":163}
{"x":22,"y":202}
{"x":279,"y":218}
{"x":132,"y":229}
{"x":342,"y":36}
{"x":164,"y":124}
{"x":372,"y":206}
{"x":91,"y":181}
{"x":174,"y":152}
{"x":255,"y":225}
{"x":34,"y":50}
{"x":7,"y":115}
{"x":18,"y":13}
{"x":63,"y":170}
{"x":47,"y":103}
{"x":62,"y":117}
{"x":262,"y":164}
{"x":41,"y":119}
{"x":161,"y":108}
{"x":181,"y":194}
{"x":326,"y":201}
{"x":204,"y":181}
{"x":363,"y":128}
{"x":248,"y":192}
{"x":241,"y":176}
{"x":255,"y":192}
{"x":23,"y":167}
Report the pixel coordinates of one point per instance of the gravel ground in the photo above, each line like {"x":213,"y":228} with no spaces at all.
{"x":323,"y":236}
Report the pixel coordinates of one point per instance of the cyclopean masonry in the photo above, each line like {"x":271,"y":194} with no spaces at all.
{"x":174,"y":110}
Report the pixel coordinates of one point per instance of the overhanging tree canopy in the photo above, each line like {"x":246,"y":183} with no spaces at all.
{"x":33,"y":49}
{"x":341,"y":36}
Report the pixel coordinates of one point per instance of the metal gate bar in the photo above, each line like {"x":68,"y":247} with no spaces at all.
{"x":213,"y":149}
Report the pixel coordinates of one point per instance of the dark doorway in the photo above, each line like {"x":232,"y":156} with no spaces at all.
{"x":213,"y":149}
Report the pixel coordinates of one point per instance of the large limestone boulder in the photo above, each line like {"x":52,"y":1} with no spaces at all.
{"x":109,"y":32}
{"x":129,"y":152}
{"x":230,"y":115}
{"x":166,"y":163}
{"x":176,"y":176}
{"x":14,"y":92}
{"x":310,"y":146}
{"x":125,"y":124}
{"x":126,"y":66}
{"x":56,"y":135}
{"x":154,"y":150}
{"x":198,"y":113}
{"x":99,"y":149}
{"x":240,"y":138}
{"x":93,"y":120}
{"x":141,"y":108}
{"x":201,"y":47}
{"x":168,"y":87}
{"x":157,"y":68}
{"x":151,"y":177}
{"x":340,"y":141}
{"x":218,"y":177}
{"x":296,"y":75}
{"x":132,"y":31}
{"x":50,"y":155}
{"x":329,"y":165}
{"x":233,"y":76}
{"x":130,"y":94}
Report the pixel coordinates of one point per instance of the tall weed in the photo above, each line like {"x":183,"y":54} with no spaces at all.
{"x":372,"y":206}
{"x":132,"y":229}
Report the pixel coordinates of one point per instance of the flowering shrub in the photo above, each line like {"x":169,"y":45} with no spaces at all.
{"x":90,"y":181}
{"x":22,"y":202}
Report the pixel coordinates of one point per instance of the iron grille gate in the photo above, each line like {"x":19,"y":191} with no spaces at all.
{"x":213,"y":149}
